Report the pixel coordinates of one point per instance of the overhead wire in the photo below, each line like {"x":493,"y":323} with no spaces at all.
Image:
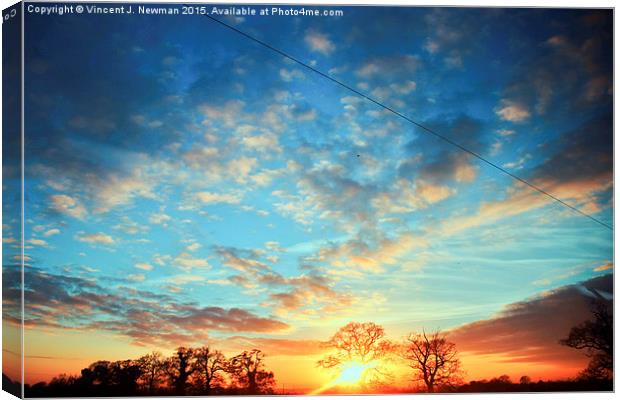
{"x":410,"y":120}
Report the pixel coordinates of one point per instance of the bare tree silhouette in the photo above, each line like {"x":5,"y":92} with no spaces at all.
{"x":434,"y":360}
{"x":208,"y":364}
{"x":597,"y":338}
{"x":361,"y":342}
{"x":152,"y":368}
{"x":179,"y":368}
{"x":247,"y":369}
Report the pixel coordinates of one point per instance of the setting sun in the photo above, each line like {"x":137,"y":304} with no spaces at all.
{"x":353,"y":373}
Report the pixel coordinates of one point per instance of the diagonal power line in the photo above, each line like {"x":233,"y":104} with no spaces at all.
{"x":419,"y":125}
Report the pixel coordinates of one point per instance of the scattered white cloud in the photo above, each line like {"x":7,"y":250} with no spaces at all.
{"x":404,"y":88}
{"x":159,"y":218}
{"x":193,"y":247}
{"x":509,"y":110}
{"x":136,"y":277}
{"x":519,"y":164}
{"x":186,"y":261}
{"x":67,"y":205}
{"x":51,"y":232}
{"x":115,"y":189}
{"x":144,"y":266}
{"x":319,"y":42}
{"x":505,"y":132}
{"x":290,"y":75}
{"x":98,"y":238}
{"x":218,"y":198}
{"x":431,"y":46}
{"x":266,"y":142}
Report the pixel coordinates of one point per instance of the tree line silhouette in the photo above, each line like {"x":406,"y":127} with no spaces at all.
{"x":432,"y":358}
{"x":503,"y":383}
{"x":189,"y":371}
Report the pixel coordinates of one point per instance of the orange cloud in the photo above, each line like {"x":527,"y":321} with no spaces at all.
{"x":70,"y":303}
{"x":283,"y":347}
{"x":528,"y":332}
{"x":358,"y":256}
{"x":608,"y":266}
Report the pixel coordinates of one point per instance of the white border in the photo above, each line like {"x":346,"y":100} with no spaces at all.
{"x":458,"y":3}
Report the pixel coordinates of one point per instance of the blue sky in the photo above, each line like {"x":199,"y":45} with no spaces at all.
{"x":187,"y":174}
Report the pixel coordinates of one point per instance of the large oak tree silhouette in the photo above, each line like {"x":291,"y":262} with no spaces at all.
{"x":596,"y":337}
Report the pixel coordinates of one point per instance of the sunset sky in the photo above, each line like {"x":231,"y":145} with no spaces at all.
{"x":185,"y":185}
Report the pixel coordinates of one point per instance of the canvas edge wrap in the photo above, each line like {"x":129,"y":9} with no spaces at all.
{"x":13,"y":196}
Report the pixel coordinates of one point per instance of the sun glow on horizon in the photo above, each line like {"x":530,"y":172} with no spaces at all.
{"x":352,"y":373}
